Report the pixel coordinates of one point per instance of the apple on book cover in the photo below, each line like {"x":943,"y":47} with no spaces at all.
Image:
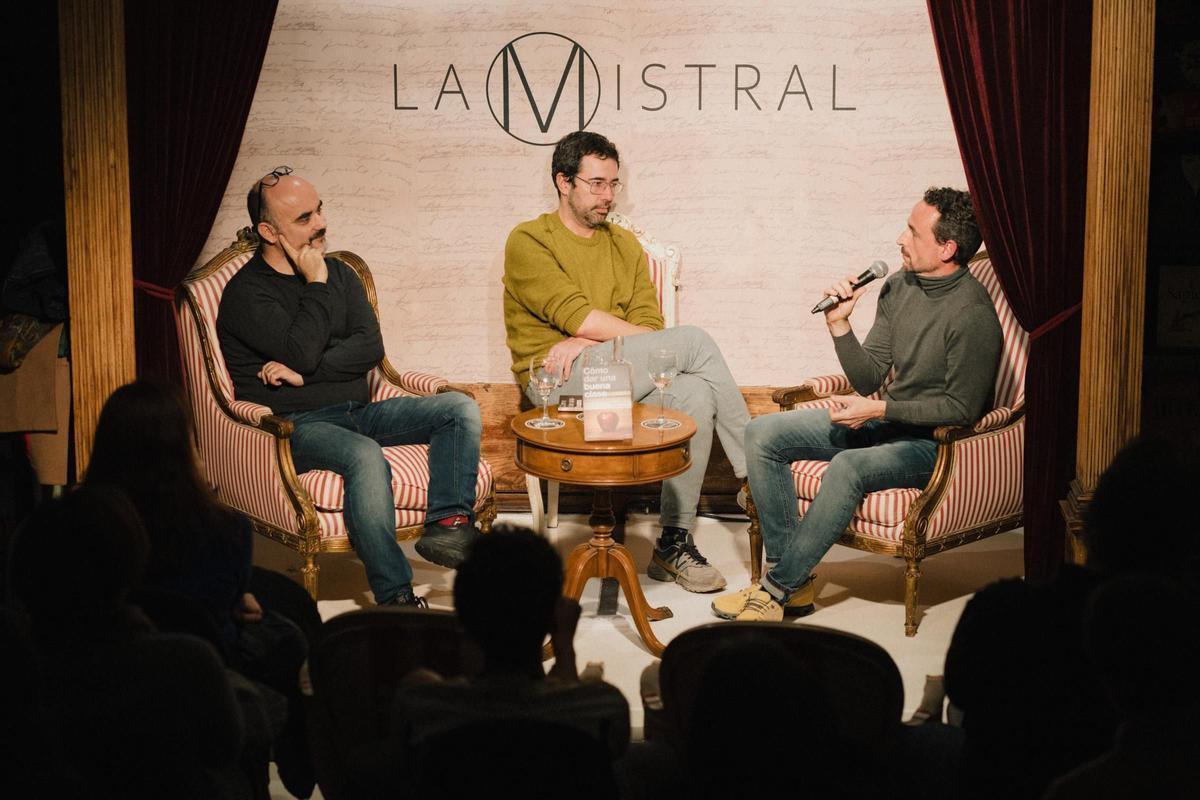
{"x":607,"y":401}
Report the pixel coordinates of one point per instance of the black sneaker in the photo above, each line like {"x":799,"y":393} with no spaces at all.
{"x":446,"y":545}
{"x":408,"y":600}
{"x":680,"y":561}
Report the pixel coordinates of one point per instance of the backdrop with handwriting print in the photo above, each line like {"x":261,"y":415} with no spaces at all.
{"x":781,"y":145}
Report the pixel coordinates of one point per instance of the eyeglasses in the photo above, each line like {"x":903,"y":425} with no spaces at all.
{"x":269,"y":180}
{"x":598,"y":185}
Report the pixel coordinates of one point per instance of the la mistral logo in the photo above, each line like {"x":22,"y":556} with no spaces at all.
{"x":541,"y":86}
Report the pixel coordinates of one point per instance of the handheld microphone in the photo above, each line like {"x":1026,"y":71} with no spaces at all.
{"x":876,"y":270}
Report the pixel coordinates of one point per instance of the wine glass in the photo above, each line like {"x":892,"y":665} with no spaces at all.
{"x":544,"y":381}
{"x":663,"y":367}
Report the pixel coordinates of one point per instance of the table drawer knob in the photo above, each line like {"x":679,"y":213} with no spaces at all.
{"x":566,"y":465}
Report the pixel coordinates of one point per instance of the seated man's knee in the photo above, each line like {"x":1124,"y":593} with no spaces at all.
{"x":695,"y":335}
{"x":363,"y":455}
{"x":764,"y":432}
{"x":462,"y":409}
{"x":845,"y":469}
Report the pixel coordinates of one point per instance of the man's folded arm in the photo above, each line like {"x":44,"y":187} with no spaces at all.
{"x":361,"y":349}
{"x":297,"y":341}
{"x":601,"y":326}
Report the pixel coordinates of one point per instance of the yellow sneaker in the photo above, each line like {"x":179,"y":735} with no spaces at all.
{"x":800,"y":604}
{"x":761,"y":607}
{"x":728,"y":606}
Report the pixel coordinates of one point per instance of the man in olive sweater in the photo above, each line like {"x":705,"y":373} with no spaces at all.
{"x":937,"y":327}
{"x":572,"y":281}
{"x":299,"y":335}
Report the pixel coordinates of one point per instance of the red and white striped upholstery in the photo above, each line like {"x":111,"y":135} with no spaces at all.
{"x":985,"y":482}
{"x":241,"y":458}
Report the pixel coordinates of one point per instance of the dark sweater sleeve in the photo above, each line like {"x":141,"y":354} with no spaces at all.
{"x":257,"y":317}
{"x":362,"y":348}
{"x":973,"y":345}
{"x":867,"y":364}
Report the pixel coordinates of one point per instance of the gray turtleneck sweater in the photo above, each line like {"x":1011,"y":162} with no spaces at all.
{"x":942,"y":336}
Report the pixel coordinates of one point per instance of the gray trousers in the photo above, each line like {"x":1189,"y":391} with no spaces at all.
{"x":704,"y":389}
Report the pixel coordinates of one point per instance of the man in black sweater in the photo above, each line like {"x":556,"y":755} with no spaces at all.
{"x":299,"y":335}
{"x":936,"y":326}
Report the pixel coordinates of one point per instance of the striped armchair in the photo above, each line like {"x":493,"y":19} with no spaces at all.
{"x":663,"y":261}
{"x":246,"y":448}
{"x":976,"y":487}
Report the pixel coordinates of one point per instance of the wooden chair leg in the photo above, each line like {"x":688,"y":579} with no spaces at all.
{"x":552,"y":504}
{"x":487,"y":515}
{"x":756,"y":543}
{"x":309,"y":572}
{"x":533,"y":486}
{"x":912,"y":576}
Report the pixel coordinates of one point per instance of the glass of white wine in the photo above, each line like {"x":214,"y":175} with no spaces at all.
{"x":544,"y":381}
{"x":663,"y":367}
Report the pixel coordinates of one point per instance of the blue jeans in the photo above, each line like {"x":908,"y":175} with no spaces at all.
{"x":704,"y":389}
{"x":346,"y":438}
{"x":879,"y":455}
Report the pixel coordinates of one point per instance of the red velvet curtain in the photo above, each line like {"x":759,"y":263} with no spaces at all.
{"x":191,"y":70}
{"x":1017,"y":75}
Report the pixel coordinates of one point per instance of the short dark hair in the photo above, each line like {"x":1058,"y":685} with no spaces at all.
{"x":957,"y":221}
{"x":506,"y":590}
{"x":256,"y":206}
{"x":571,"y":149}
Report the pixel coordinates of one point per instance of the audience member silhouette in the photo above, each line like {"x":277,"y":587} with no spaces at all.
{"x":508,"y":596}
{"x":1034,"y":707}
{"x":199,"y":569}
{"x":1136,"y":631}
{"x":135,"y":713}
{"x":789,"y":747}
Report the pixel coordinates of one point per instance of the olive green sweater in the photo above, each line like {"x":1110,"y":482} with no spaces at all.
{"x":943,"y":338}
{"x":553,"y":279}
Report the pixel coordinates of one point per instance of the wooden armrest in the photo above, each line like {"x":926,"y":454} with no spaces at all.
{"x":945,"y":434}
{"x":812,"y":389}
{"x":994,"y":420}
{"x":792,"y":395}
{"x":453,"y":387}
{"x":277,"y":426}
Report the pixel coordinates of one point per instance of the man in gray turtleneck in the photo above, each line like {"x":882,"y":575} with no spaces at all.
{"x":936,"y":326}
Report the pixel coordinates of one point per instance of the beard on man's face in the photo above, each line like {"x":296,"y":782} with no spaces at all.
{"x":591,"y":215}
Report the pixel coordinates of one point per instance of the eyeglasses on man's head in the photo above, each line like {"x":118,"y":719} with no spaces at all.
{"x":268,"y":180}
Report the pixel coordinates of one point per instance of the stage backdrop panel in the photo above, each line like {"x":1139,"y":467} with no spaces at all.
{"x":780,"y":144}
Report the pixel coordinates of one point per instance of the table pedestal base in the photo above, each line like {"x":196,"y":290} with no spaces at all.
{"x":601,"y":557}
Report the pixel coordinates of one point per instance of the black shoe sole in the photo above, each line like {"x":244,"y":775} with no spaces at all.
{"x":798,"y":611}
{"x":437,"y":555}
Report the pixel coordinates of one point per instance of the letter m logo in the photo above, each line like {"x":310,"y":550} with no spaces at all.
{"x":544,"y":54}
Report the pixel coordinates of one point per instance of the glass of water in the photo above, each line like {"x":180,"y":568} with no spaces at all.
{"x":663,"y":367}
{"x":544,"y":381}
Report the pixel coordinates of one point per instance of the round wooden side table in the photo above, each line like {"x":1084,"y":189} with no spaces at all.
{"x":562,"y":454}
